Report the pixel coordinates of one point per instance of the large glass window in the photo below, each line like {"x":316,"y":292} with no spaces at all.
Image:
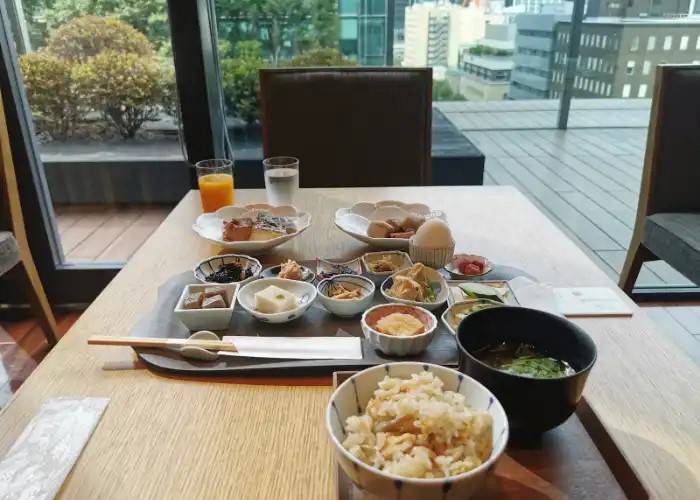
{"x":99,"y":80}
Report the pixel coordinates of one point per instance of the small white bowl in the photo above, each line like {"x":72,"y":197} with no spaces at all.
{"x":449,"y":319}
{"x":213,"y":264}
{"x":401,"y":259}
{"x":347,"y":307}
{"x":305,"y":293}
{"x":207,"y":319}
{"x":393,"y":345}
{"x":441,"y":289}
{"x":351,"y":398}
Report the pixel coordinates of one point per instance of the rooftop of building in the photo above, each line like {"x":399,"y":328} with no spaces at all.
{"x":693,"y":20}
{"x":494,"y":63}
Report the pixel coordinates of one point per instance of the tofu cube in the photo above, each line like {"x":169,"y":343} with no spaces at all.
{"x":211,"y":291}
{"x":193,"y":300}
{"x":215,"y":302}
{"x":274,"y":299}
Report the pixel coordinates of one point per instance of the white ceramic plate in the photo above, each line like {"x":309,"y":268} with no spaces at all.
{"x":355,"y":220}
{"x":305,"y":293}
{"x":209,"y":226}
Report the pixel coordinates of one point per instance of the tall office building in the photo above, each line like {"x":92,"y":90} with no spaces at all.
{"x":435,"y":31}
{"x":618,"y":56}
{"x":367,"y":31}
{"x":534,"y":48}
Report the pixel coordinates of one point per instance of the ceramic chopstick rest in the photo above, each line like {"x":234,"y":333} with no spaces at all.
{"x":198,"y":353}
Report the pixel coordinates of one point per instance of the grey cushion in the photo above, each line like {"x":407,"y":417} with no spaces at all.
{"x":9,"y":253}
{"x":675,"y":238}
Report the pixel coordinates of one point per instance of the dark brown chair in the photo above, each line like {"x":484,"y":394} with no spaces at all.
{"x":350,"y":126}
{"x":668,"y":215}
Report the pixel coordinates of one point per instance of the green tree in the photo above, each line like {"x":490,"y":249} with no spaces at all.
{"x":442,"y":91}
{"x":241,"y":85}
{"x":304,"y":24}
{"x":320,"y":57}
{"x":147,"y":16}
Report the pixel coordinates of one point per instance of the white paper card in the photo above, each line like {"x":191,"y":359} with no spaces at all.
{"x":43,"y":455}
{"x":591,"y":301}
{"x":295,"y":347}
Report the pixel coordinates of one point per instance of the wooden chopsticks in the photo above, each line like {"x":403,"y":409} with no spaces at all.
{"x":210,"y":345}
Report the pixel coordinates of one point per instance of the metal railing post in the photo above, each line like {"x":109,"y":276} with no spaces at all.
{"x":571,"y":63}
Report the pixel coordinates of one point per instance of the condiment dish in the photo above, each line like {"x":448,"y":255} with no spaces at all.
{"x":207,"y":319}
{"x":452,"y":316}
{"x":437,"y":281}
{"x":346,"y":307}
{"x":213,"y":264}
{"x":394,"y":345}
{"x":398,"y":258}
{"x":304,"y":292}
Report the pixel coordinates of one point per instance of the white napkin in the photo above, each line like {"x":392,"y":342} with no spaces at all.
{"x":43,"y":455}
{"x":295,"y":347}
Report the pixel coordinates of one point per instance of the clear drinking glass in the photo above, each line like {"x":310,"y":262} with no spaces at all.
{"x":215,"y":179}
{"x":281,"y":179}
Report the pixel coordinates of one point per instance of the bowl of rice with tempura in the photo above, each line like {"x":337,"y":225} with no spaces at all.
{"x":416,"y":431}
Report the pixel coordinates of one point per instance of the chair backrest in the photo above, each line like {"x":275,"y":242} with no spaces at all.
{"x":671,"y":178}
{"x":350,"y":126}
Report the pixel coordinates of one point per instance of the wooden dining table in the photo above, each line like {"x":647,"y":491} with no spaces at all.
{"x":167,"y":436}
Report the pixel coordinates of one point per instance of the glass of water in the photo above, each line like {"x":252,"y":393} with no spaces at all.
{"x":281,"y":179}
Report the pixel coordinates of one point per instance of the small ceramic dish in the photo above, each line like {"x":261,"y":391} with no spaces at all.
{"x":391,"y":344}
{"x":327,"y":269}
{"x":454,"y":271}
{"x":435,"y":257}
{"x":399,"y":259}
{"x":305,"y":293}
{"x":496,"y":290}
{"x":209,"y":266}
{"x":437,"y":281}
{"x":352,"y":396}
{"x":273,"y":272}
{"x":347,"y":307}
{"x":454,"y":314}
{"x":207,"y":319}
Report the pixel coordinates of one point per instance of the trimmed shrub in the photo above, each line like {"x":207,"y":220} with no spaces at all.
{"x":321,"y":57}
{"x":51,"y":93}
{"x":84,"y":37}
{"x":126,"y":87}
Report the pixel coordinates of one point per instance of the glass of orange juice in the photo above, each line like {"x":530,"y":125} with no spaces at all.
{"x":215,"y":179}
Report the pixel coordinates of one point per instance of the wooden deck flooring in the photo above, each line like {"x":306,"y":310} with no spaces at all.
{"x":586,"y":179}
{"x":95,"y":233}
